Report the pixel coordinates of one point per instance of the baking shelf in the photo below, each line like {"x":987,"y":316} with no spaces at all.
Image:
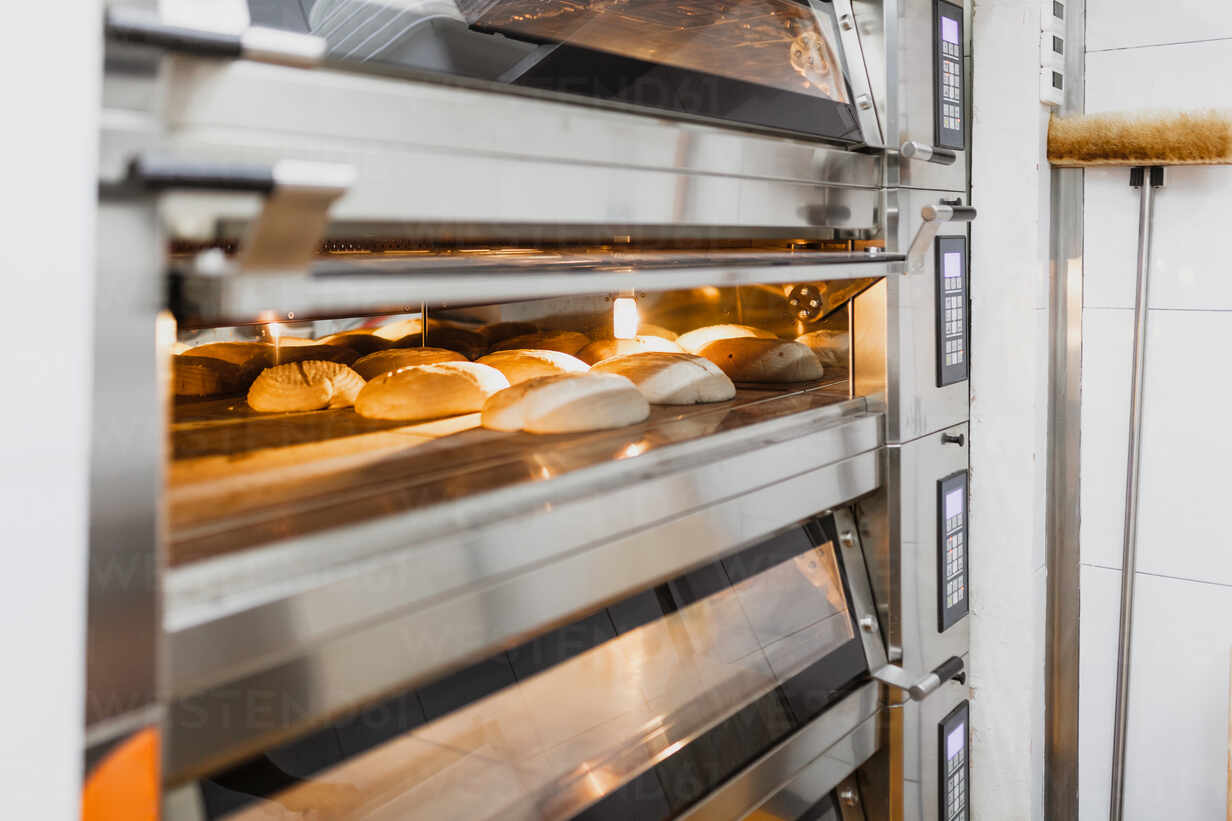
{"x":239,"y":479}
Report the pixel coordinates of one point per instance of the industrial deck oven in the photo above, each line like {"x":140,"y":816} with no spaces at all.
{"x":754,"y":606}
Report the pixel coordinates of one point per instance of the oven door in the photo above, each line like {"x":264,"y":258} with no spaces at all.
{"x":779,"y":64}
{"x":652,"y":707}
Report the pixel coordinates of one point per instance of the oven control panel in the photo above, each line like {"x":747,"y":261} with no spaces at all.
{"x":953,"y":738}
{"x":951,"y":268}
{"x":948,"y":68}
{"x":952,"y":574}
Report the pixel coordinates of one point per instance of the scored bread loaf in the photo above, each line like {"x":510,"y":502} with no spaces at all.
{"x":607,"y":348}
{"x":304,"y":386}
{"x":750,"y":359}
{"x":429,"y":391}
{"x":671,"y":378}
{"x":699,"y":338}
{"x":518,"y":366}
{"x":830,"y":347}
{"x":204,"y":376}
{"x":375,"y":364}
{"x":566,"y":403}
{"x":568,"y":342}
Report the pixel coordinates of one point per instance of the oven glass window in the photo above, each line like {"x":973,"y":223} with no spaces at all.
{"x":773,"y":63}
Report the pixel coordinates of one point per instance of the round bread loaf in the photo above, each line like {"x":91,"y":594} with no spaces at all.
{"x":294,"y":342}
{"x":750,"y":359}
{"x":375,"y":364}
{"x":671,"y":378}
{"x":399,"y":328}
{"x":205,"y":376}
{"x":695,"y":340}
{"x":304,"y":386}
{"x":429,"y":391}
{"x":254,"y":357}
{"x":361,"y":341}
{"x":518,"y":366}
{"x":566,"y":403}
{"x":607,"y":348}
{"x":500,"y":331}
{"x":831,"y":348}
{"x":564,"y":341}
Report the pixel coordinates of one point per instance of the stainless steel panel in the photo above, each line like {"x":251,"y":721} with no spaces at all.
{"x":1064,"y":442}
{"x":914,"y":469}
{"x":439,"y":154}
{"x":125,"y":470}
{"x":375,"y":285}
{"x":801,"y":770}
{"x":911,"y":98}
{"x":351,"y":633}
{"x":916,"y":406}
{"x":921,"y":766}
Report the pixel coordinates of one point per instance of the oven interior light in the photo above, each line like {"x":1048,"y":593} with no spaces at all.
{"x":624,"y":317}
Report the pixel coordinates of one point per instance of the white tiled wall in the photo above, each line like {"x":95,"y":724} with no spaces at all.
{"x":1140,"y":56}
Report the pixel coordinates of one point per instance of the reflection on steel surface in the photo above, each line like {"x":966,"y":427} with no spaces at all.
{"x":553,"y":743}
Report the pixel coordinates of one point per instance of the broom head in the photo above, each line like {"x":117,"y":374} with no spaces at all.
{"x":1181,"y":138}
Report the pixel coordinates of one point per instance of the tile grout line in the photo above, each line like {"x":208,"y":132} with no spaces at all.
{"x":1158,"y":575}
{"x":1159,"y":45}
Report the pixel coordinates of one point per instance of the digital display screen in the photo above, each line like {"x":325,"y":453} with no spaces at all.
{"x":953,"y":503}
{"x":951,"y":261}
{"x":949,"y":30}
{"x":954,"y":741}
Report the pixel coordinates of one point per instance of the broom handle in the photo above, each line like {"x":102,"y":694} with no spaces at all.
{"x":1146,"y":180}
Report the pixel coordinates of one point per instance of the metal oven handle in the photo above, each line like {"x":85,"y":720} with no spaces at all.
{"x":924,"y":152}
{"x":921,"y":688}
{"x":260,"y":43}
{"x":934,"y":216}
{"x":298,"y":195}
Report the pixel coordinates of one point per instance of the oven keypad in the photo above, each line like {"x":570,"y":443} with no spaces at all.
{"x":948,"y":63}
{"x":952,"y":598}
{"x":954,"y":764}
{"x":952,"y":365}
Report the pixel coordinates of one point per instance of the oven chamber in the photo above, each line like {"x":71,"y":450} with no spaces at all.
{"x":366,"y":619}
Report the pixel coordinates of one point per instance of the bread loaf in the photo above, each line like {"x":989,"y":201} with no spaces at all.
{"x":409,"y":333}
{"x":304,"y":386}
{"x":564,"y":341}
{"x":699,"y":338}
{"x":361,"y":341}
{"x":204,"y":376}
{"x":606,"y":348}
{"x":518,"y":366}
{"x":496,"y":332}
{"x":566,"y":403}
{"x":375,"y":364}
{"x":429,"y":391}
{"x":750,"y":359}
{"x":832,"y":348}
{"x":671,"y":378}
{"x":646,"y":329}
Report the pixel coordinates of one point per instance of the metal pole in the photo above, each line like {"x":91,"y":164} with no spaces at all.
{"x":1146,"y":188}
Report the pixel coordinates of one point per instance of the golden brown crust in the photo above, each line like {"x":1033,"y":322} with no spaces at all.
{"x":750,"y":359}
{"x":607,"y":348}
{"x":375,"y":364}
{"x":304,"y":386}
{"x":205,"y":376}
{"x":520,"y":365}
{"x":429,"y":391}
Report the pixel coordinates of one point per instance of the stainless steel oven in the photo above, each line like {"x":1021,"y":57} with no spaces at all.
{"x":755,"y":605}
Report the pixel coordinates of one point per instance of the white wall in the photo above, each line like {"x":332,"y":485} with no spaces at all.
{"x":1010,"y":186}
{"x":1143,"y":55}
{"x":50,"y":66}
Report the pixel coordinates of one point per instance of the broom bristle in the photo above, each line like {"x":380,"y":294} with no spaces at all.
{"x":1183,"y":138}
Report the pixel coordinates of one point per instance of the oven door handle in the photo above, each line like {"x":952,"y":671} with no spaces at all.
{"x":921,"y":688}
{"x":914,"y":150}
{"x":260,"y":43}
{"x":934,"y":216}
